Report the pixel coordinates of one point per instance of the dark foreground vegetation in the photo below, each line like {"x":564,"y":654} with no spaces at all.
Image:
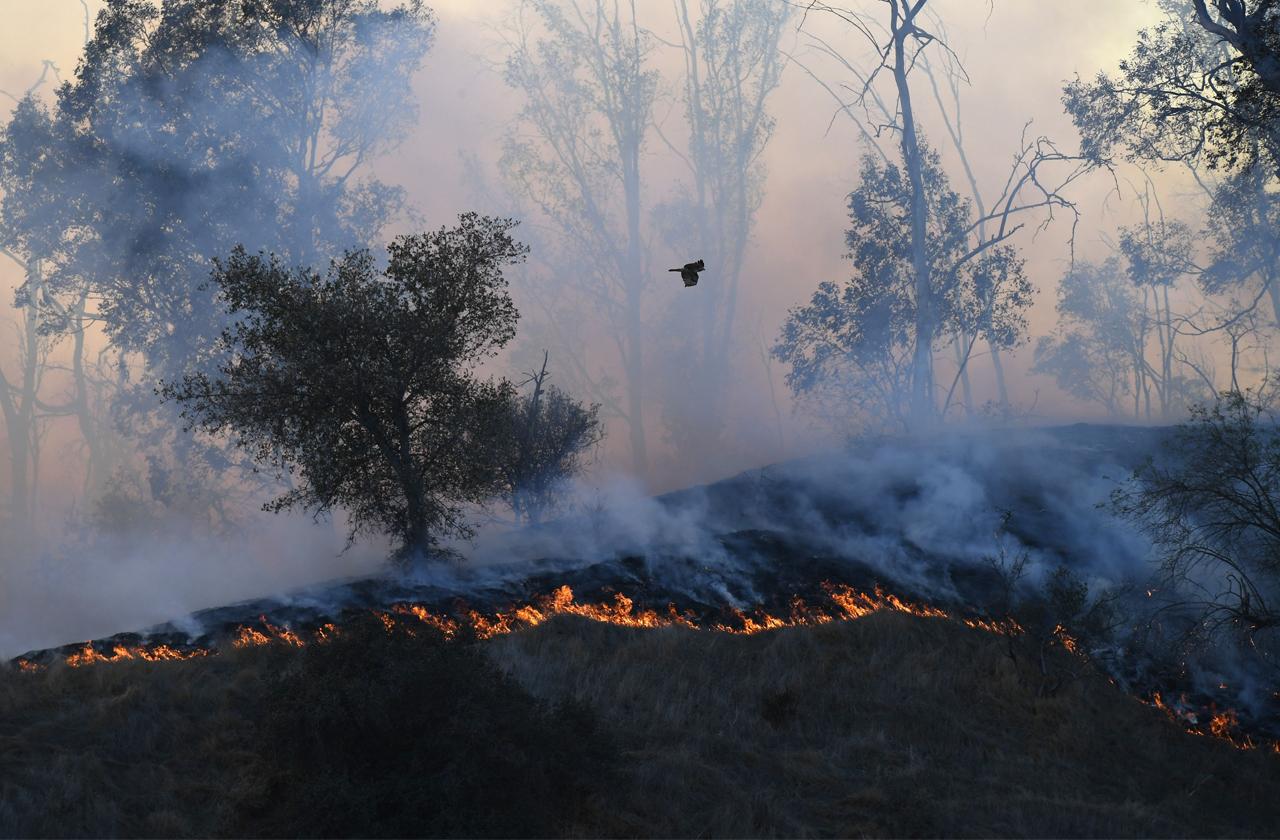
{"x":889,"y":725}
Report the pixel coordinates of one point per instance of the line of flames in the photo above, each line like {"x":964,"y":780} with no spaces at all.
{"x":849,"y":604}
{"x":1223,"y":724}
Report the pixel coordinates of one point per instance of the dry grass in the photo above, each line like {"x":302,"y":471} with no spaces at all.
{"x":887,"y":726}
{"x":374,"y":734}
{"x":130,"y":749}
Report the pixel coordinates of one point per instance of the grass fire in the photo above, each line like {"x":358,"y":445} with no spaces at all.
{"x":367,"y":470}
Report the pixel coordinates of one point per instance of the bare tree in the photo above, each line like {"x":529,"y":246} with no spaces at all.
{"x":1210,"y":505}
{"x":576,"y":155}
{"x":550,"y":434}
{"x":732,"y":65}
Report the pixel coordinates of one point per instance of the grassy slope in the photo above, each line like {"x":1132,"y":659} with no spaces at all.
{"x":887,"y":725}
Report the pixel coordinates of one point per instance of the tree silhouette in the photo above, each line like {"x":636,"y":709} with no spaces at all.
{"x":856,"y":343}
{"x":362,"y":381}
{"x":576,"y":156}
{"x":191,"y":127}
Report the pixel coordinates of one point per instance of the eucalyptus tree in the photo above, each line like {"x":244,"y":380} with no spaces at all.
{"x":1202,"y":89}
{"x":22,"y":407}
{"x":191,"y":127}
{"x":1205,"y":82}
{"x":858,"y":342}
{"x":576,"y":156}
{"x":1096,"y":351}
{"x":901,"y":39}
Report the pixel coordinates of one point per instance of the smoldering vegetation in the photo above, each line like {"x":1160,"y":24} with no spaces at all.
{"x":890,"y":725}
{"x":262,"y":368}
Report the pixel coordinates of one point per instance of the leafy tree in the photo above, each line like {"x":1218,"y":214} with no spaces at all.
{"x":1244,"y":255}
{"x":361,"y":381}
{"x":858,"y":341}
{"x":192,"y":126}
{"x":1202,"y":88}
{"x":1205,"y":82}
{"x":1094,"y":352}
{"x":880,"y":100}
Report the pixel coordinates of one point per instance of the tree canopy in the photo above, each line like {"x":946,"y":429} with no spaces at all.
{"x":860,"y":338}
{"x":1204,"y":83}
{"x":362,"y":381}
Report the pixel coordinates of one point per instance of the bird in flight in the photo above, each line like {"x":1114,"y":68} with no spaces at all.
{"x":689,"y":274}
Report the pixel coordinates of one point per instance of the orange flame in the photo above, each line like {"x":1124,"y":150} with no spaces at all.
{"x":252,"y":637}
{"x":622,"y":611}
{"x":1222,"y":725}
{"x":89,"y":655}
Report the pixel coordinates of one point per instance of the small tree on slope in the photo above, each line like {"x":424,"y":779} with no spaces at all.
{"x":361,"y":382}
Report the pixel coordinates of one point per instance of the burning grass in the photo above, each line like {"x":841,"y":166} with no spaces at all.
{"x":897,"y":724}
{"x":890,"y":726}
{"x":840,"y":603}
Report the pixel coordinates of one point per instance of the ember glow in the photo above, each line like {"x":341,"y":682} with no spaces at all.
{"x":842,"y":603}
{"x":1224,"y":724}
{"x":266,"y":633}
{"x":89,"y":655}
{"x":845,"y":604}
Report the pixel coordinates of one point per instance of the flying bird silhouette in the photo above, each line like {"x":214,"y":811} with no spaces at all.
{"x":689,"y":274}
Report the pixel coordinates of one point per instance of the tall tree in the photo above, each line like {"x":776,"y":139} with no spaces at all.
{"x":22,"y":407}
{"x":576,"y":155}
{"x":732,"y":64}
{"x":899,"y":38}
{"x":858,"y":342}
{"x":1202,"y":88}
{"x":1204,"y":82}
{"x":191,"y":127}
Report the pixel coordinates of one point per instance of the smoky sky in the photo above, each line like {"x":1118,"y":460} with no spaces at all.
{"x":1017,"y":55}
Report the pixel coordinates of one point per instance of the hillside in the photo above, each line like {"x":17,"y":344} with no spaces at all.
{"x":892,"y":724}
{"x":812,"y":649}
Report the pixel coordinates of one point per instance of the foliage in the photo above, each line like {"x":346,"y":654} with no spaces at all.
{"x":192,"y":127}
{"x":859,"y":338}
{"x":550,"y":432}
{"x":1100,"y":333}
{"x":1194,"y":86}
{"x":576,"y":154}
{"x":362,"y":379}
{"x":1108,"y":314}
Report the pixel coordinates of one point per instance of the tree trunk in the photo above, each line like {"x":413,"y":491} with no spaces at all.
{"x":922,"y":407}
{"x":635,"y":332}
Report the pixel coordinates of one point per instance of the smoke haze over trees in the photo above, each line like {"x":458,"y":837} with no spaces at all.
{"x":1008,"y":259}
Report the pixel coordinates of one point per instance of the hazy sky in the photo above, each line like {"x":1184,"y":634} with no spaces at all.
{"x":1018,"y":53}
